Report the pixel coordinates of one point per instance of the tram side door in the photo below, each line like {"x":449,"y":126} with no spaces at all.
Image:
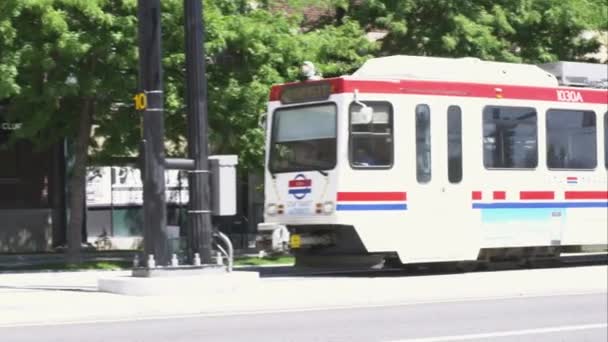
{"x":442,"y":207}
{"x":464,"y":230}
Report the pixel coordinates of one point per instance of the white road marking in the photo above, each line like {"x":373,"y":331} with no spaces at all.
{"x":506,"y":333}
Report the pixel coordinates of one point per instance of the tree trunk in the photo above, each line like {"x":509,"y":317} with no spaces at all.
{"x":77,"y":183}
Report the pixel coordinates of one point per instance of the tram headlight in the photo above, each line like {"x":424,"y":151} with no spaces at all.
{"x":328,"y":207}
{"x":271,"y":209}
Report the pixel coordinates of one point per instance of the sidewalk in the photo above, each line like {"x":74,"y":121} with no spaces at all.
{"x":63,"y":297}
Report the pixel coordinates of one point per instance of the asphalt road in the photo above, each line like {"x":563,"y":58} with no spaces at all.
{"x":552,"y":318}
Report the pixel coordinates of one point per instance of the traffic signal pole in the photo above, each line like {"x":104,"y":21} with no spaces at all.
{"x":153,"y":171}
{"x":199,"y":210}
{"x":153,"y":163}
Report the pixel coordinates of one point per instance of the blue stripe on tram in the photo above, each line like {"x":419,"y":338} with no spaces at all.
{"x":362,"y":207}
{"x":537,"y":205}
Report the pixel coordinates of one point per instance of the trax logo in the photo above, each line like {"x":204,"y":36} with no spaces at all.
{"x":569,"y":96}
{"x":299,"y":187}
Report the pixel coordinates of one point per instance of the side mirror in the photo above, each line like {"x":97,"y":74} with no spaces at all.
{"x":364,"y":116}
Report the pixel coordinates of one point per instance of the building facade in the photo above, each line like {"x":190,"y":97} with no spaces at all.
{"x":32,"y":192}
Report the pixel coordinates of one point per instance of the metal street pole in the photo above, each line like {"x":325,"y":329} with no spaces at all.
{"x":199,"y":210}
{"x":150,"y":82}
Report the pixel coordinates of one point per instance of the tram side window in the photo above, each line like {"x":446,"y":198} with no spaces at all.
{"x":371,"y":139}
{"x":423,"y":143}
{"x":571,"y":139}
{"x":510,"y":138}
{"x":606,"y":139}
{"x":454,"y":144}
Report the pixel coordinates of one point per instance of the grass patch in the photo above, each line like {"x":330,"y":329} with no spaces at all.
{"x":115,"y":265}
{"x":267,"y":260}
{"x":86,"y":265}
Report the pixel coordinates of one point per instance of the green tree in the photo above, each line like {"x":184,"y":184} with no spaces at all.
{"x":8,"y":53}
{"x":506,"y":30}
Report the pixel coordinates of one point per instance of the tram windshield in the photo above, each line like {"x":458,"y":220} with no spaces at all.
{"x":303,"y":139}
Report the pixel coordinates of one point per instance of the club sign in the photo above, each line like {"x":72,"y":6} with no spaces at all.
{"x":10,"y":126}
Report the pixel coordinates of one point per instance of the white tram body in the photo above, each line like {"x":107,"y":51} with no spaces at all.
{"x":435,"y":159}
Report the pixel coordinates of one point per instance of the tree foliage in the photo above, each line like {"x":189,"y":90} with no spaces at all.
{"x":53,"y":53}
{"x":506,"y":30}
{"x":62,"y":53}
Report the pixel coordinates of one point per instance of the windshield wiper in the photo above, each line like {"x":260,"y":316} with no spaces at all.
{"x":299,"y":168}
{"x":324,"y":173}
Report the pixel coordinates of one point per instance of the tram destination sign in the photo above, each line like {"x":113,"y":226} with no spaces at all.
{"x":305,"y":92}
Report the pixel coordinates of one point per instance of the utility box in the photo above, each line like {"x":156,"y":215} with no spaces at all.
{"x":223,"y":184}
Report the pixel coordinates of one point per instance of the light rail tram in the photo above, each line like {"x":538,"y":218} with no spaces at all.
{"x":424,"y":159}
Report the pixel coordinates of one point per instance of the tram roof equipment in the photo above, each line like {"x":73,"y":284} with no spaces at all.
{"x":465,"y":69}
{"x":578,"y":74}
{"x":468,"y":69}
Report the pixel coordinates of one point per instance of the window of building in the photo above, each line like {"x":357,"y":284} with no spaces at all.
{"x":454,"y":144}
{"x":510,"y":138}
{"x":371,"y":139}
{"x":571,"y":139}
{"x":423,"y":143}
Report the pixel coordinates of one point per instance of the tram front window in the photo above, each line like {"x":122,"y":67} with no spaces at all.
{"x":303,"y":139}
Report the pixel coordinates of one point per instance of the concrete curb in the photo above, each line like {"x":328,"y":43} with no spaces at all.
{"x":191,"y":285}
